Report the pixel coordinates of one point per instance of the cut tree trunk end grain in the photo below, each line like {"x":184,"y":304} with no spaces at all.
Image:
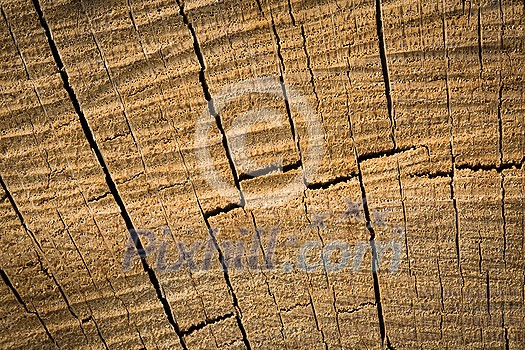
{"x":262,"y":174}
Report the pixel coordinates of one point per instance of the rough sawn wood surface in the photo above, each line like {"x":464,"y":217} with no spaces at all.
{"x":419,"y":108}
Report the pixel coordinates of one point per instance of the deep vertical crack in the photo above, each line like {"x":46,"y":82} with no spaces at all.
{"x":282,"y":69}
{"x":441,"y":300}
{"x":109,"y":180}
{"x":451,"y":135}
{"x":325,"y":273}
{"x":377,"y":291}
{"x":500,"y":121}
{"x":209,"y":99}
{"x":205,"y":217}
{"x":384,"y":67}
{"x":501,"y":85}
{"x":403,"y":206}
{"x":290,"y":12}
{"x":314,"y":313}
{"x":488,"y":293}
{"x":238,"y":313}
{"x":504,"y":219}
{"x":222,"y":261}
{"x":99,"y":332}
{"x":213,"y":112}
{"x":266,"y":260}
{"x":451,"y":146}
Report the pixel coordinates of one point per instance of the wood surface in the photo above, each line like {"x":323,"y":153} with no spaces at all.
{"x":418,"y":106}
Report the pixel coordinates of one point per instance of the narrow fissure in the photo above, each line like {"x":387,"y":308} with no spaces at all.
{"x":374,"y":155}
{"x":311,"y":73}
{"x":500,"y":122}
{"x":221,"y":210}
{"x":451,"y":135}
{"x":403,"y":206}
{"x":222,"y":261}
{"x":114,"y":86}
{"x":99,"y":333}
{"x":327,"y":184}
{"x":441,"y":299}
{"x":377,"y":292}
{"x":66,"y":229}
{"x":504,"y":220}
{"x":270,"y":169}
{"x":62,"y":293}
{"x":270,"y":293}
{"x":488,"y":293}
{"x":21,"y":301}
{"x":497,"y":168}
{"x":290,"y":12}
{"x":317,"y":321}
{"x":282,"y":69}
{"x":207,"y":322}
{"x":206,"y":216}
{"x":480,"y":45}
{"x":384,"y":67}
{"x":316,"y":228}
{"x":209,"y":99}
{"x":238,"y":315}
{"x":18,"y":213}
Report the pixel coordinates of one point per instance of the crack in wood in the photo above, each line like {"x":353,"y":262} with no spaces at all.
{"x":261,"y":269}
{"x":358,"y":160}
{"x":384,"y":68}
{"x":451,"y":136}
{"x":282,"y":69}
{"x":19,"y":213}
{"x":66,"y":229}
{"x":209,"y":321}
{"x":207,"y":95}
{"x":114,"y":86}
{"x":327,"y":281}
{"x":311,"y":73}
{"x":205,"y":216}
{"x":238,"y":316}
{"x":21,"y":301}
{"x":270,"y":169}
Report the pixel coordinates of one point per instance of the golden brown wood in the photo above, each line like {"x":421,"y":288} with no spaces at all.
{"x":389,"y":131}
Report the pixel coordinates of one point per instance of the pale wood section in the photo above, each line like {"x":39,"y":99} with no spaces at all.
{"x":481,"y":98}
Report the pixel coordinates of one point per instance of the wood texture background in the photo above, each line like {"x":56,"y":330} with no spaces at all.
{"x":422,"y":105}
